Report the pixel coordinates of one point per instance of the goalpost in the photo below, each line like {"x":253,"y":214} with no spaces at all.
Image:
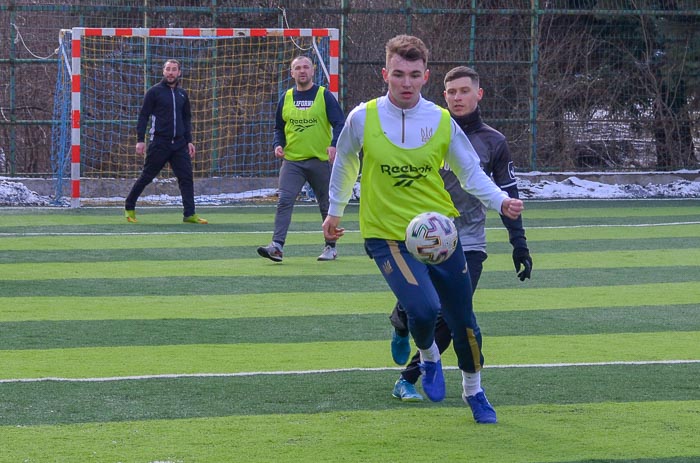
{"x":234,"y":78}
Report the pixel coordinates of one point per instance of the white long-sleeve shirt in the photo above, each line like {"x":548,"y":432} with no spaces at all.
{"x":407,"y":128}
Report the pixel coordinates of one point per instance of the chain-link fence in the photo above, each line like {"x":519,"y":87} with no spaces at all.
{"x":574,"y":84}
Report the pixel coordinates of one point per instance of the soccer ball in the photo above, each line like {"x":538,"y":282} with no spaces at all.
{"x":431,"y":237}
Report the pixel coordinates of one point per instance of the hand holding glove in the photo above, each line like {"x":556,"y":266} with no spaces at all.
{"x":521,"y":258}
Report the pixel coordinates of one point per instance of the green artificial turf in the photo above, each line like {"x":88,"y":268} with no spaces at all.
{"x":169,"y":342}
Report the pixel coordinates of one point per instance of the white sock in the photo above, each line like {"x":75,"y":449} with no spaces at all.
{"x":471,"y":382}
{"x":431,"y":354}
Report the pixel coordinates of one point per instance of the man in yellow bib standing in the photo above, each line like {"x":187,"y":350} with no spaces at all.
{"x":307,"y":125}
{"x":405,"y":140}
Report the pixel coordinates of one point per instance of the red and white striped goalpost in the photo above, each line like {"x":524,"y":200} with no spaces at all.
{"x":79,"y":32}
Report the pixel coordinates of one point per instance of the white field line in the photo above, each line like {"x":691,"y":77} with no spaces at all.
{"x":268,"y":232}
{"x":333,"y":370}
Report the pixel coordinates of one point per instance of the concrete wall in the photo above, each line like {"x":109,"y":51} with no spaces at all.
{"x":616,"y":178}
{"x":108,"y":188}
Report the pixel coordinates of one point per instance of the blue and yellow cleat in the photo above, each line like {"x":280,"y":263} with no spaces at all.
{"x":406,"y":391}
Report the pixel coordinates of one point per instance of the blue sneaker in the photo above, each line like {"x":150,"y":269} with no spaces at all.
{"x":482,"y":410}
{"x":433,"y":380}
{"x":400,"y":348}
{"x":406,"y":391}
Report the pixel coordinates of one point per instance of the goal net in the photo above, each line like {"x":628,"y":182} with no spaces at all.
{"x":234,"y":78}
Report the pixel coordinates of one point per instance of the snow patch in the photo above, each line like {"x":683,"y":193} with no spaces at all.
{"x":16,"y":194}
{"x":573,"y":187}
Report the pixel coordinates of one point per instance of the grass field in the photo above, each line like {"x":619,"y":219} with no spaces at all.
{"x":169,"y":342}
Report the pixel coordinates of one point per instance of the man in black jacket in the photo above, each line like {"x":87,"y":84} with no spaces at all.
{"x":168,"y":107}
{"x":462,"y":94}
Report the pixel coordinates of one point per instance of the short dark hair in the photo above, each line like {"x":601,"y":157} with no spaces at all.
{"x":171,"y":60}
{"x":300,"y":57}
{"x":462,"y":71}
{"x":408,"y":47}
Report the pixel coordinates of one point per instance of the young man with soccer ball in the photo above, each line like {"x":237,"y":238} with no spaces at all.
{"x":463,"y":94}
{"x":405,"y":139}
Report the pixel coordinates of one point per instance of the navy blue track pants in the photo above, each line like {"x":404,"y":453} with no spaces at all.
{"x":424,"y":290}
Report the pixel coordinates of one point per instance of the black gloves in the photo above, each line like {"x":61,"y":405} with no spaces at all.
{"x":521,"y":257}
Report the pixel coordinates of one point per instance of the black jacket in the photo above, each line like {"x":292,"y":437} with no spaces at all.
{"x":170,"y":114}
{"x":496,"y":161}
